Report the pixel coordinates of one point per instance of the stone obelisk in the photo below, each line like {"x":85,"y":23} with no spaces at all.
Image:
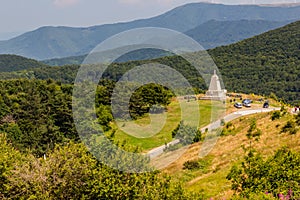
{"x":215,"y":92}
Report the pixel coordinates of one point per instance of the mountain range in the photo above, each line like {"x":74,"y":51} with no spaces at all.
{"x":210,"y":24}
{"x":264,"y":64}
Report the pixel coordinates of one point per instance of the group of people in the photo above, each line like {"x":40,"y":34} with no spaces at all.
{"x":296,"y":109}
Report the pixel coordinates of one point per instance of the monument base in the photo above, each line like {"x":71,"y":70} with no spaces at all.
{"x":213,"y":98}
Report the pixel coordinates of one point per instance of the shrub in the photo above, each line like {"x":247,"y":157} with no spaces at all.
{"x":228,"y":129}
{"x":187,"y":134}
{"x":276,"y":115}
{"x":290,"y":127}
{"x":254,"y":196}
{"x":278,"y":174}
{"x":196,"y":164}
{"x":173,"y":147}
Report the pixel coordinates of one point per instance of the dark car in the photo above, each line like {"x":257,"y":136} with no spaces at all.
{"x":266,"y":105}
{"x":238,"y":105}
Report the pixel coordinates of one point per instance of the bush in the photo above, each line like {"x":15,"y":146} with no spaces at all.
{"x":228,"y":129}
{"x":290,"y":127}
{"x":276,"y":115}
{"x":196,"y":164}
{"x":278,"y":175}
{"x":187,"y":134}
{"x":173,"y":147}
{"x":70,"y":172}
{"x":254,"y":196}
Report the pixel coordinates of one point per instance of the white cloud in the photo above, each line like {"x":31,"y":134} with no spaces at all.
{"x":65,"y":3}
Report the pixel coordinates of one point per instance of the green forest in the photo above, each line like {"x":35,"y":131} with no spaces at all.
{"x":42,"y":157}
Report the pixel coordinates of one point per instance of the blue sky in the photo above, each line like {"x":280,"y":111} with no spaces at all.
{"x":18,"y":16}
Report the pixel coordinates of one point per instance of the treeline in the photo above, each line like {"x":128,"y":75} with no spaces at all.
{"x":64,"y":74}
{"x":240,"y":73}
{"x":9,"y":63}
{"x":36,"y":115}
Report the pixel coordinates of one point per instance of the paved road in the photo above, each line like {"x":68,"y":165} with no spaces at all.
{"x":159,"y":150}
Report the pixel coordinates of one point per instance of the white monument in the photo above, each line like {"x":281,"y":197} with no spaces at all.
{"x":215,"y":92}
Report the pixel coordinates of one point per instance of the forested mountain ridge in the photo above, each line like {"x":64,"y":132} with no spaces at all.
{"x":265,"y":64}
{"x":9,"y":63}
{"x":281,"y":41}
{"x":77,"y":60}
{"x":215,"y":33}
{"x":57,"y":42}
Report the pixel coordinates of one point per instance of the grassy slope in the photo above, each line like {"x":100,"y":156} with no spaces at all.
{"x":228,"y":151}
{"x":173,"y":119}
{"x":209,"y":112}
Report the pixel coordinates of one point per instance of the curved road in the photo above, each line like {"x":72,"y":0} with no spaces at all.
{"x":159,"y":150}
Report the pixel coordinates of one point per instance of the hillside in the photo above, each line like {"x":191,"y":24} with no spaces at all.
{"x":217,"y":33}
{"x":210,"y":179}
{"x":77,"y":60}
{"x":9,"y":63}
{"x":268,"y":63}
{"x":57,"y":42}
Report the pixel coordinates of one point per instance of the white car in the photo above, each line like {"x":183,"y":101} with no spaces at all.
{"x":238,"y":105}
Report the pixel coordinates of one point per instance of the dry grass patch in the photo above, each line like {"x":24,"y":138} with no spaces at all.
{"x":228,"y":151}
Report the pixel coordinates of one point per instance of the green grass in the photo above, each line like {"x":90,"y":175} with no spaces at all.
{"x":214,"y":185}
{"x":205,"y":110}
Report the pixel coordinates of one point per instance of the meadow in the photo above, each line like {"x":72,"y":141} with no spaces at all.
{"x":195,"y":113}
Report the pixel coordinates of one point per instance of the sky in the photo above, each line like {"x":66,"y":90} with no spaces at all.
{"x":17,"y":16}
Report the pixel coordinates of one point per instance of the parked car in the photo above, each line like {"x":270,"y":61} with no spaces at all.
{"x":247,"y":102}
{"x":238,"y":105}
{"x":266,"y":105}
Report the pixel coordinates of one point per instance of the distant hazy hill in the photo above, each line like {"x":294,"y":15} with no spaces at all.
{"x":9,"y":63}
{"x":58,"y":42}
{"x":72,"y":60}
{"x":140,"y":54}
{"x":210,"y":34}
{"x":216,"y":33}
